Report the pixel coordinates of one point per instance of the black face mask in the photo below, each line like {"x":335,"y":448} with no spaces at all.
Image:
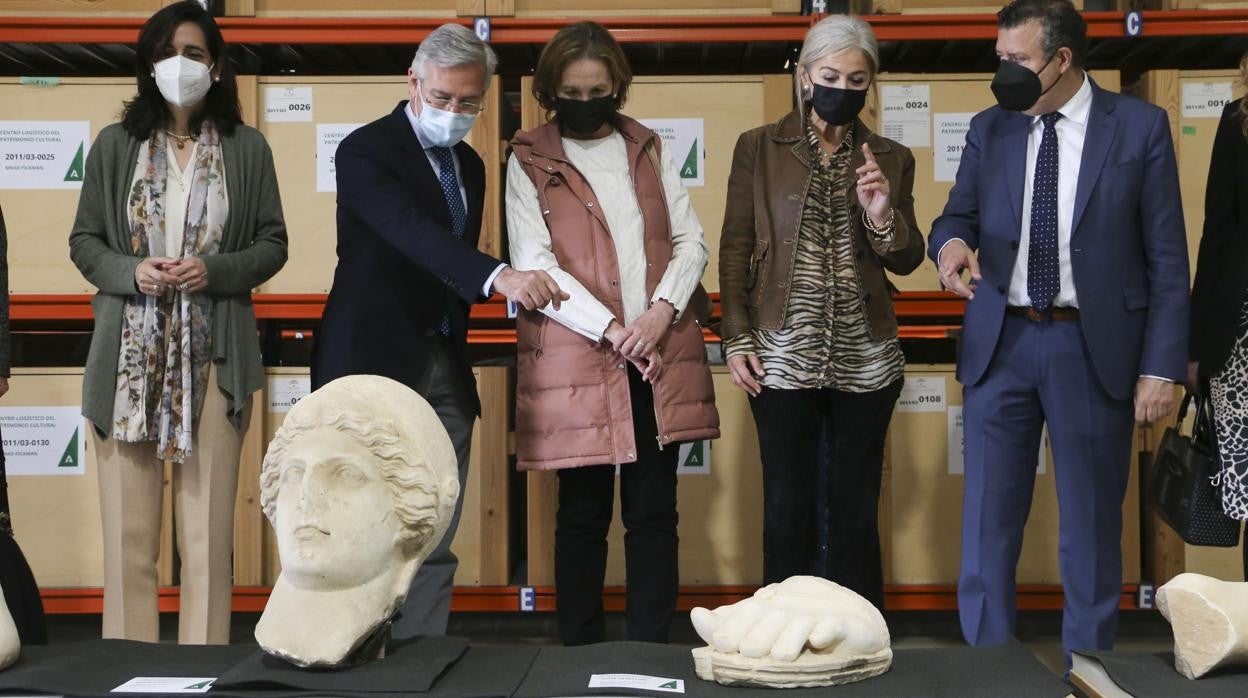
{"x":584,"y":117}
{"x":1017,"y":88}
{"x":835,"y":105}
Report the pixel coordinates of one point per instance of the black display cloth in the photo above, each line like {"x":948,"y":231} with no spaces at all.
{"x":961,"y":672}
{"x":1152,"y":675}
{"x":444,"y":667}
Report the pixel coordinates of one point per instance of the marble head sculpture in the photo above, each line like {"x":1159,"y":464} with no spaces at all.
{"x":1209,"y":618}
{"x":802,"y":632}
{"x":360,"y":484}
{"x":10,"y":644}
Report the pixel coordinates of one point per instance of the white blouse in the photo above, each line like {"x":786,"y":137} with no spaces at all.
{"x":604,"y":164}
{"x":177,"y":197}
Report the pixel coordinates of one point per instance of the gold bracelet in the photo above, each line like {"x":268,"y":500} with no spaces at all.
{"x":883,"y":230}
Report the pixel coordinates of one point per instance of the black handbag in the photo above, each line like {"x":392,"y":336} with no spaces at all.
{"x":1183,"y":486}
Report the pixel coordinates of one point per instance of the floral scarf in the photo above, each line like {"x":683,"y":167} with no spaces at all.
{"x":166,"y":342}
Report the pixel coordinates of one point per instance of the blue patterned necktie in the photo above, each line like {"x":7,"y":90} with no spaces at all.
{"x":1043,"y":272}
{"x":454,"y":202}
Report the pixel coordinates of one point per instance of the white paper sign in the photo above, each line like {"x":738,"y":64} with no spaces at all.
{"x":1205,"y":99}
{"x":637,"y":681}
{"x":922,"y":394}
{"x":948,"y":139}
{"x":43,"y":440}
{"x":685,"y":142}
{"x":165,"y":684}
{"x":906,"y":114}
{"x":43,"y":154}
{"x":328,"y":136}
{"x":694,"y":458}
{"x":287,"y":104}
{"x":285,"y":391}
{"x":957,"y":463}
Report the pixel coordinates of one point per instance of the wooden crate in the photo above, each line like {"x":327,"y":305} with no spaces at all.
{"x":1193,"y":138}
{"x":932,"y":7}
{"x":728,"y":105}
{"x":39,"y":221}
{"x":721,"y":513}
{"x":56,"y":518}
{"x":640,"y":8}
{"x":408,"y":9}
{"x":86,"y":8}
{"x":924,"y":502}
{"x":482,"y":543}
{"x":311,"y":215}
{"x":951,"y":93}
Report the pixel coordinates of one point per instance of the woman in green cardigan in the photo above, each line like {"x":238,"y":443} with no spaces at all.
{"x":178,"y":221}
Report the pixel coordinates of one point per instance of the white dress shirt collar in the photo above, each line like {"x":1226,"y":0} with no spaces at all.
{"x":1078,"y":107}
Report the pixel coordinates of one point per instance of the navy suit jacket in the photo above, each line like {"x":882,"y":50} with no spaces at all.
{"x":400,"y":268}
{"x":1128,"y":248}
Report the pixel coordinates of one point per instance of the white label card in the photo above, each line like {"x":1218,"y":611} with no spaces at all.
{"x":694,"y":458}
{"x":922,"y":394}
{"x":637,"y":681}
{"x":43,"y":154}
{"x":685,"y":142}
{"x":1205,"y":99}
{"x":287,"y":104}
{"x":285,"y":391}
{"x":43,"y":440}
{"x":948,"y":140}
{"x":328,"y":136}
{"x":906,"y":114}
{"x":175,"y":685}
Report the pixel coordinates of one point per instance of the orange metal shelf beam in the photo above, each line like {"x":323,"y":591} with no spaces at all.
{"x":919,"y":597}
{"x":506,"y":30}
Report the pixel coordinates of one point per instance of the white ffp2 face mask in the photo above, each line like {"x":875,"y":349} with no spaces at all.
{"x":182,"y":81}
{"x":441,"y":127}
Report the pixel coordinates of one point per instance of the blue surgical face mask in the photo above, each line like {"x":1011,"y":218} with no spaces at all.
{"x":440,"y":127}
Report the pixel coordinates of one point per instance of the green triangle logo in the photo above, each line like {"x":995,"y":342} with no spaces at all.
{"x":201,"y":684}
{"x":696,"y":457}
{"x":669,"y":684}
{"x":75,"y":168}
{"x":69,"y":459}
{"x":690,"y":169}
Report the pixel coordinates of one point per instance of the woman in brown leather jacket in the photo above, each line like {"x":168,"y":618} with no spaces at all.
{"x":818,"y":208}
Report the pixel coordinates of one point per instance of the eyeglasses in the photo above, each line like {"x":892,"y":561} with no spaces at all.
{"x":458,"y":106}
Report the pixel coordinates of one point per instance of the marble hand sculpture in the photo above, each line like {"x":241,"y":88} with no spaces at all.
{"x":1209,"y":618}
{"x":10,"y":644}
{"x":802,"y":632}
{"x":360,"y":484}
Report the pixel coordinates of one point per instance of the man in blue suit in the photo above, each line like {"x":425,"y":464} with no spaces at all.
{"x":410,"y":200}
{"x":1066,"y":213}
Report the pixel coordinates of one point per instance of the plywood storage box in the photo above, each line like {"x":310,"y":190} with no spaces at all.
{"x":1193,"y":131}
{"x":728,"y":106}
{"x":721,"y":511}
{"x":933,"y":7}
{"x":924,"y":499}
{"x":311,"y":214}
{"x":39,"y":221}
{"x":81,"y":8}
{"x":951,"y":93}
{"x":56,"y":518}
{"x":641,"y":8}
{"x":482,"y":542}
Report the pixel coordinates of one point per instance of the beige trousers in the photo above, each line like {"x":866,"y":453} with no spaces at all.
{"x":204,"y":486}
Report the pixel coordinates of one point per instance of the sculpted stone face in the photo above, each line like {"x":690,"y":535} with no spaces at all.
{"x":336,"y":526}
{"x":360,"y":484}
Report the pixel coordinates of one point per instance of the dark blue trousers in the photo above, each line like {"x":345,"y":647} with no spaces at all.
{"x":1042,"y":373}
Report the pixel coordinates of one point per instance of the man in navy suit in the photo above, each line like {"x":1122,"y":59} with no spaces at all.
{"x":1066,"y":213}
{"x":410,"y":197}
